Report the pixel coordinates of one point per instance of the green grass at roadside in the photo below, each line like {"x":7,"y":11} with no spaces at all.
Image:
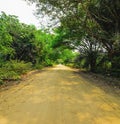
{"x":12,"y":70}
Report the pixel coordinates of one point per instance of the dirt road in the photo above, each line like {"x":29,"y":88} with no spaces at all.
{"x":58,"y":96}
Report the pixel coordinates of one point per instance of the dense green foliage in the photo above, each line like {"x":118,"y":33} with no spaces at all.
{"x":92,"y":27}
{"x":12,"y":70}
{"x":23,"y":47}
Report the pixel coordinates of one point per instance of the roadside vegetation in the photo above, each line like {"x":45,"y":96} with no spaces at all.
{"x":88,"y":36}
{"x":24,"y":47}
{"x":91,"y":27}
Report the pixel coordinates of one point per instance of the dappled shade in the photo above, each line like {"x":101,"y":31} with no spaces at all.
{"x":58,"y":95}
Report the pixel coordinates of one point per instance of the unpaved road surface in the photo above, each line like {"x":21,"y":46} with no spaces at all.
{"x":58,"y":96}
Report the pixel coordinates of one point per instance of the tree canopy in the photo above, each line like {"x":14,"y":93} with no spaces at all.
{"x":96,"y":20}
{"x":85,"y":34}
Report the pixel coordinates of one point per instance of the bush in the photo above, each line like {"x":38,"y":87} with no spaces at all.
{"x":12,"y":70}
{"x":38,"y":66}
{"x":1,"y":82}
{"x":48,"y":62}
{"x":8,"y":75}
{"x":17,"y":67}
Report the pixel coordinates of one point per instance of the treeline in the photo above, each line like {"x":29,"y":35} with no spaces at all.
{"x":24,"y":47}
{"x":89,"y":28}
{"x":92,"y":27}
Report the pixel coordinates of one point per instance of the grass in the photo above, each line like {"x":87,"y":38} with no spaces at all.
{"x":12,"y":70}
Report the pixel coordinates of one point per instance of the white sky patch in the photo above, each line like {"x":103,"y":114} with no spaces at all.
{"x":21,"y":9}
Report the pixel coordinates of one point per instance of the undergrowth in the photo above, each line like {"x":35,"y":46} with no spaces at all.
{"x":12,"y":70}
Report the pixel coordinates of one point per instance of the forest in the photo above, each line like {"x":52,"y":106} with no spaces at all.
{"x":85,"y":34}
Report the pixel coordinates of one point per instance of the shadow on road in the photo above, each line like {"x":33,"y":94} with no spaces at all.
{"x":59,"y":96}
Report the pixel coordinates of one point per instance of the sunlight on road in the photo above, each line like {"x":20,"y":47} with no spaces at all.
{"x":61,"y":67}
{"x":58,"y":96}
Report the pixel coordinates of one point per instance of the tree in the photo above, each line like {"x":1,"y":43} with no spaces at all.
{"x":106,"y":14}
{"x":98,"y":19}
{"x":89,"y":51}
{"x":5,"y":39}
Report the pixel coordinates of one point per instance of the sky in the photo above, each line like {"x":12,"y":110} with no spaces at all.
{"x":21,"y":9}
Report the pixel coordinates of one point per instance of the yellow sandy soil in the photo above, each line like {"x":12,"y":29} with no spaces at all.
{"x":58,"y":96}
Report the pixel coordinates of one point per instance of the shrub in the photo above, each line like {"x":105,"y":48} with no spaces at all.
{"x":1,"y":82}
{"x":18,"y":67}
{"x":48,"y":62}
{"x":38,"y":66}
{"x":12,"y":70}
{"x":8,"y":75}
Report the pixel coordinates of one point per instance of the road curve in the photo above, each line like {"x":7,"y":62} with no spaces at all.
{"x":58,"y":96}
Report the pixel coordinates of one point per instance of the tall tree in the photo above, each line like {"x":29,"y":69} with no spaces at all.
{"x":5,"y":39}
